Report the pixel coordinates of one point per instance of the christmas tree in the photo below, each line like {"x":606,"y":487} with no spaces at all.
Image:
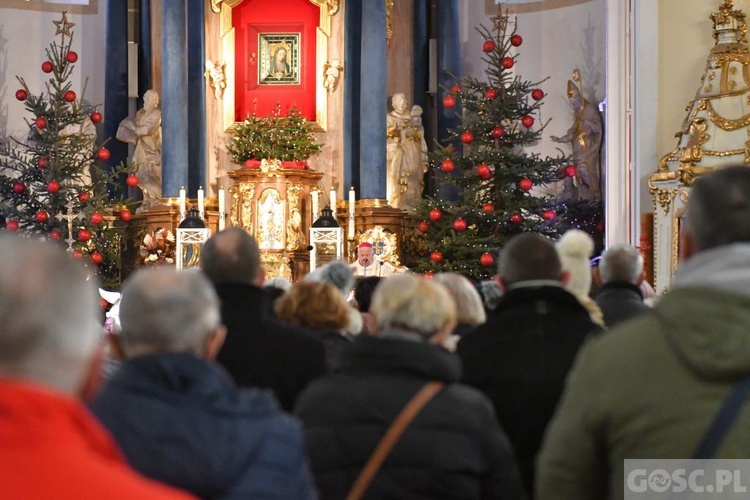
{"x":50,"y":183}
{"x":497,"y":180}
{"x":280,"y":137}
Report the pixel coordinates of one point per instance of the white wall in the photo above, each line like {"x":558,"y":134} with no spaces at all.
{"x":24,"y":36}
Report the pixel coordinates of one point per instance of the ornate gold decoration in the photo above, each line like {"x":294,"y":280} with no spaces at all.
{"x":241,"y":210}
{"x":727,"y":19}
{"x":722,"y":154}
{"x":276,"y":265}
{"x":63,"y":26}
{"x":216,"y":6}
{"x":271,"y":220}
{"x":383,"y":242}
{"x":725,"y":123}
{"x":295,"y":238}
{"x":696,"y":137}
{"x":388,"y":21}
{"x":664,"y":197}
{"x":270,"y":168}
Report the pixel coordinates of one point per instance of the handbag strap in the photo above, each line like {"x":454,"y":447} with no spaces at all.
{"x":391,"y":437}
{"x":723,"y":420}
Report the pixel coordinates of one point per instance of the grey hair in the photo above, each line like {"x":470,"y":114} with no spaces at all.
{"x":278,"y":282}
{"x":469,"y":306}
{"x":336,"y":273}
{"x":412,"y":303}
{"x":49,"y":310}
{"x":167,"y":310}
{"x":621,"y":263}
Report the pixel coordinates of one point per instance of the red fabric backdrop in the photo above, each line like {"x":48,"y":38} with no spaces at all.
{"x":253,"y":17}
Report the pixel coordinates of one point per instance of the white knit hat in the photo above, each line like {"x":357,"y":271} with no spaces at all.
{"x":575,"y":249}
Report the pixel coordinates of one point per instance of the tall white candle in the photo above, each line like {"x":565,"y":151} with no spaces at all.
{"x":314,"y":196}
{"x":200,"y":202}
{"x":351,"y":213}
{"x":333,"y":201}
{"x":182,"y":203}
{"x":222,"y":210}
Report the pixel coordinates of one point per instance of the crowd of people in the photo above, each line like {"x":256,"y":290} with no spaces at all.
{"x":231,"y":386}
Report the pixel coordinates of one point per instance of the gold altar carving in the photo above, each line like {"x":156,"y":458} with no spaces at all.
{"x":275,"y":209}
{"x":270,"y":168}
{"x":384,"y":243}
{"x":328,"y":8}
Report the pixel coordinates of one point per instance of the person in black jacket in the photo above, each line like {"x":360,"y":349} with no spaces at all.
{"x":177,"y":416}
{"x":620,"y":274}
{"x":259,"y":351}
{"x":454,"y":448}
{"x":520,"y":357}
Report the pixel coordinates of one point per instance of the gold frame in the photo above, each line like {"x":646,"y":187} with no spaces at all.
{"x":91,"y":8}
{"x":227,"y":35}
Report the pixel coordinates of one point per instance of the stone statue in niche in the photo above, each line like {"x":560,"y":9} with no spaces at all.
{"x":585,"y":137}
{"x":145,"y":133}
{"x":406,"y":154}
{"x":215,"y":74}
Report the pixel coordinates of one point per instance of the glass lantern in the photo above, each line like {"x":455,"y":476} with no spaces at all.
{"x":192,"y":234}
{"x":326,"y":240}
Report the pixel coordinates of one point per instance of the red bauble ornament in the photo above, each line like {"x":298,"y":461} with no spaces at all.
{"x":103,"y":303}
{"x":487,"y":259}
{"x":71,"y":57}
{"x":450,"y":148}
{"x":53,"y":187}
{"x":456,"y":88}
{"x":484,"y":172}
{"x":571,"y":171}
{"x":460,"y":224}
{"x":488,"y":208}
{"x":548,"y":215}
{"x":11,"y":225}
{"x":428,"y":275}
{"x":41,"y":216}
{"x":526,"y":184}
{"x":125,"y":215}
{"x":96,"y":117}
{"x":467,"y":137}
{"x":96,"y":258}
{"x":447,"y":165}
{"x":449,"y":102}
{"x":103,"y":154}
{"x":77,"y":254}
{"x":527,"y":121}
{"x":423,"y":226}
{"x":40,"y":123}
{"x":498,"y":132}
{"x":42,"y":162}
{"x":507,"y":62}
{"x":436,"y":214}
{"x":84,"y":235}
{"x":47,"y":67}
{"x":21,"y":94}
{"x":19,"y":187}
{"x":488,"y":45}
{"x":436,"y":257}
{"x":96,"y":218}
{"x":84,"y":196}
{"x":490,"y":93}
{"x":132,"y":180}
{"x":516,"y":40}
{"x":69,"y":96}
{"x":600,"y":226}
{"x":55,"y":234}
{"x":516,"y":218}
{"x":537,"y":94}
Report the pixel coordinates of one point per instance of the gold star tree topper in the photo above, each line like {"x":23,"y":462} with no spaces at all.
{"x":63,"y":25}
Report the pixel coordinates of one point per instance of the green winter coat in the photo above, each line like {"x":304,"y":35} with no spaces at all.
{"x":651,"y":388}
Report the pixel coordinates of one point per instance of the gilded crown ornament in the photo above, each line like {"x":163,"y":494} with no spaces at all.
{"x":729,"y":23}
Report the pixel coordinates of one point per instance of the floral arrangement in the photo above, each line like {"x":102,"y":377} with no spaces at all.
{"x":158,"y":247}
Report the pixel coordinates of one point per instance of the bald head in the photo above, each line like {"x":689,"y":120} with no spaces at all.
{"x":621,"y":263}
{"x":49,"y":325}
{"x":167,"y":310}
{"x":529,"y":257}
{"x":231,"y":256}
{"x":718,"y":212}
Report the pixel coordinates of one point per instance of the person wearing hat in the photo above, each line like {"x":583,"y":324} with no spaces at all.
{"x":367,"y":263}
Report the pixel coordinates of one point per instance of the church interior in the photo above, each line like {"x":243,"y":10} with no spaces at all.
{"x":339,"y":72}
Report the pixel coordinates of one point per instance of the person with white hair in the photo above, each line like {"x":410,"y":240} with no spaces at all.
{"x":620,"y":275}
{"x":454,"y":448}
{"x":177,"y":416}
{"x":50,"y":349}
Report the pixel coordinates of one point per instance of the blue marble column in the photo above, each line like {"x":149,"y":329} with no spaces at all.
{"x":196,"y":95}
{"x":373,"y":102}
{"x":174,"y":99}
{"x":352,"y":82}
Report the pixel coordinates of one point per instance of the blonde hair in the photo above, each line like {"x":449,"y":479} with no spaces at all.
{"x":469,"y":307}
{"x":313,"y":304}
{"x":412,"y":303}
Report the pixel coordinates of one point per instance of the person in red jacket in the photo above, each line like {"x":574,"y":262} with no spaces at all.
{"x":50,"y":445}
